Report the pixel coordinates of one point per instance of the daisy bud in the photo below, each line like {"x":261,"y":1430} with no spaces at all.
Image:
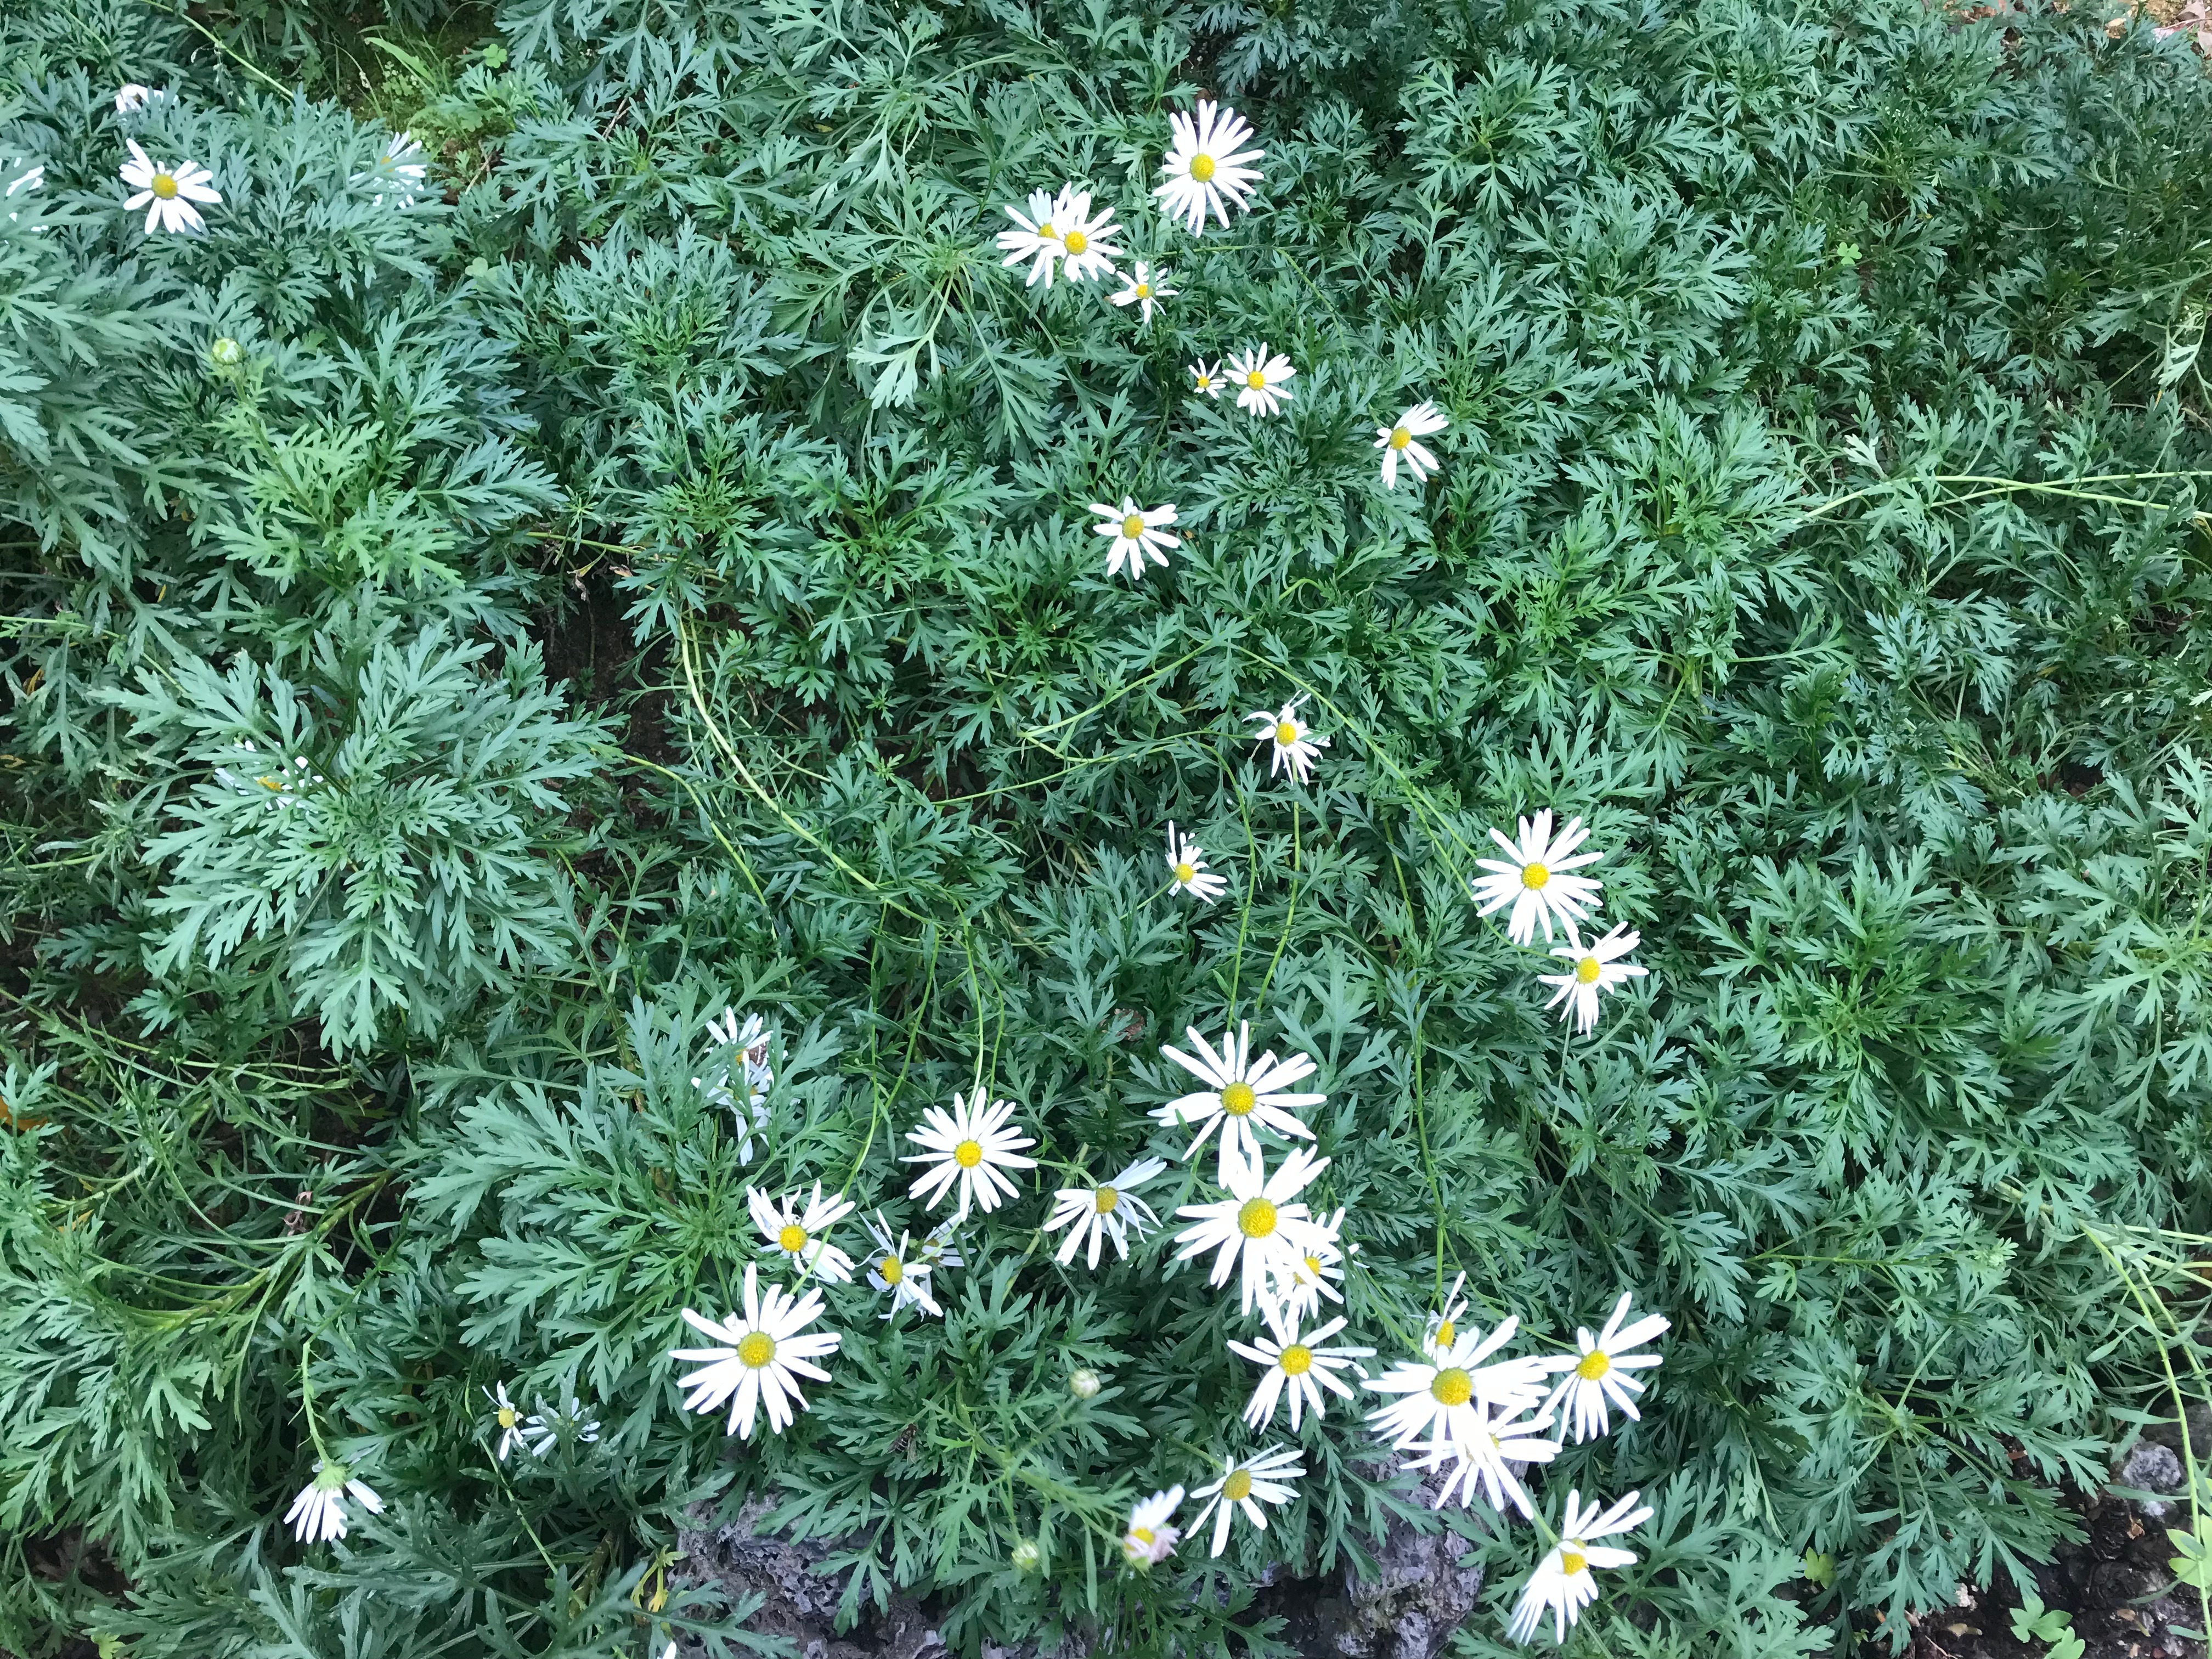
{"x":1026,"y":1556}
{"x":226,"y":353}
{"x":1082,"y":1384}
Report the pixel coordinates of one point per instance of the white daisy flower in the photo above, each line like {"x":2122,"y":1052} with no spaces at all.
{"x":751,"y":1040}
{"x":1187,"y":867}
{"x":1600,"y":1372}
{"x":1145,"y":291}
{"x":801,"y":1233}
{"x":399,"y":171}
{"x":1533,"y":877}
{"x":1246,"y":1483}
{"x":1137,"y":533}
{"x":1111,"y":1209}
{"x":1443,"y":1328}
{"x":1594,"y":970}
{"x":317,"y":1515}
{"x":938,"y":1247}
{"x":1295,"y":1366}
{"x":969,"y":1147}
{"x":763,"y":1356}
{"x":1448,"y":1395}
{"x":1242,"y":1096}
{"x":1294,"y":744}
{"x":545,"y":1428}
{"x":1562,"y":1584}
{"x":1205,"y":378}
{"x":1086,"y":241}
{"x":130,"y":98}
{"x":1317,"y":1264}
{"x":1259,"y":1224}
{"x":1205,"y":169}
{"x":1259,"y":379}
{"x":1150,"y":1540}
{"x":1035,"y":237}
{"x":166,"y":193}
{"x":1423,"y":419}
{"x":900,"y":1269}
{"x":508,"y":1418}
{"x":1484,"y":1461}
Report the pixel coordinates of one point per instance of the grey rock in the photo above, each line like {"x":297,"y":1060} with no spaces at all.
{"x":800,"y":1603}
{"x":2151,"y":1467}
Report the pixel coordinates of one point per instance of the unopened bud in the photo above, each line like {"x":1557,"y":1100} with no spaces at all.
{"x":226,"y":353}
{"x":1082,"y":1384}
{"x":1026,"y":1556}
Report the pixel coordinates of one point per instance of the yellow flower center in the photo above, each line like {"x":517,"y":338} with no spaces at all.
{"x":1587,"y":970}
{"x":1297,"y":1360}
{"x":968,"y":1154}
{"x":275,"y":786}
{"x":1533,"y":875}
{"x":1399,"y":437}
{"x":1201,"y":167}
{"x":1048,"y":232}
{"x":1447,"y":1333}
{"x":1186,"y":873}
{"x":1206,"y":383}
{"x":1256,"y":1219}
{"x":1286,"y":733}
{"x":1133,"y":526}
{"x":164,"y":185}
{"x":757,"y":1348}
{"x":1142,"y":1535}
{"x":1595,"y":1364}
{"x":1255,"y":379}
{"x":1144,"y":290}
{"x":1237,"y":1099}
{"x":1452,"y":1387}
{"x":890,"y":1271}
{"x":1312,"y":1266}
{"x":793,"y":1237}
{"x":1572,"y":1561}
{"x":1076,"y":241}
{"x":1237,"y":1487}
{"x":507,"y":1415}
{"x":1105,"y":1198}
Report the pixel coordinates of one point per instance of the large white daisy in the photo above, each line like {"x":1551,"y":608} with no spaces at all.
{"x":969,"y":1147}
{"x":1295,"y":1364}
{"x":1138,"y":533}
{"x":1533,"y":877}
{"x":1109,"y":1210}
{"x":1602,"y":1372}
{"x":1146,"y":289}
{"x":800,"y":1230}
{"x":1483,"y":1462}
{"x":760,"y":1359}
{"x":1260,"y":1226}
{"x":1245,"y":1484}
{"x":1290,"y":740}
{"x":1241,"y":1096}
{"x":1260,"y":380}
{"x":1449,"y":1394}
{"x":318,"y":1515}
{"x":1035,"y":237}
{"x":1595,"y":968}
{"x":1150,"y":1540}
{"x":166,"y":192}
{"x":1205,"y":167}
{"x":902,"y":1268}
{"x":1401,"y":438}
{"x":1086,"y":240}
{"x":1562,"y":1585}
{"x":1187,"y":868}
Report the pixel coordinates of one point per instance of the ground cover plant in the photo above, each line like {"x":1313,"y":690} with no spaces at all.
{"x":1068,"y":783}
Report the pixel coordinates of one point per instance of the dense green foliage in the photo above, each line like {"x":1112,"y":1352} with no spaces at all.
{"x":664,"y":544}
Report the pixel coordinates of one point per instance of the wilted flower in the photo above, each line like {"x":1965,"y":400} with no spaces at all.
{"x":317,"y":1515}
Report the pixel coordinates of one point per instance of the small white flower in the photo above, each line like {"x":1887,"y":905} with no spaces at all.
{"x":1086,"y":241}
{"x":130,"y":98}
{"x":1137,"y":533}
{"x":751,"y":1040}
{"x":1483,"y":1460}
{"x":166,"y":193}
{"x":1242,"y":1096}
{"x":1246,"y":1483}
{"x":1600,"y":1372}
{"x":1423,"y":419}
{"x":545,"y":1428}
{"x":1111,"y":1209}
{"x":1035,"y":237}
{"x":1205,"y":378}
{"x":802,"y":1233}
{"x":509,"y":1418}
{"x":1533,"y":877}
{"x":271,"y":780}
{"x":1293,"y":742}
{"x":939,"y":1247}
{"x":970,"y":1147}
{"x":1319,"y":1262}
{"x":1449,"y":1395}
{"x":1443,"y":1329}
{"x":317,"y":1515}
{"x":399,"y":171}
{"x":1205,"y":169}
{"x":1187,"y":868}
{"x":1259,"y":1226}
{"x":1294,"y":1364}
{"x":1150,"y":1540}
{"x":1145,"y":291}
{"x":1562,"y":1584}
{"x":900,"y":1269}
{"x":1259,"y":379}
{"x":1594,"y":969}
{"x":763,"y":1356}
